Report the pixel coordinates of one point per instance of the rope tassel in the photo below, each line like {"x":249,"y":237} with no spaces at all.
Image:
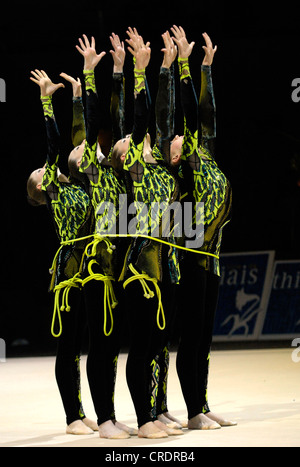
{"x":148,"y":293}
{"x":110,"y":300}
{"x":64,"y":286}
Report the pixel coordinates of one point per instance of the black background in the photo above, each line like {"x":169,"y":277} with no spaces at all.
{"x":257,"y":125}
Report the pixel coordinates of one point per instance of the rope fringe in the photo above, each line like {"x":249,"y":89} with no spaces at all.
{"x":148,"y":293}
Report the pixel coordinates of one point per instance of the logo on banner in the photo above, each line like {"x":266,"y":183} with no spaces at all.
{"x":248,"y":307}
{"x":242,"y":294}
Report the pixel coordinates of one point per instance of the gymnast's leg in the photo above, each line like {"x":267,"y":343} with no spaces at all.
{"x":102,"y":360}
{"x":67,"y":365}
{"x":145,"y":344}
{"x":192,"y":324}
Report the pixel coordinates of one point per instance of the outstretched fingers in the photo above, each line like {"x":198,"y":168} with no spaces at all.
{"x":38,"y":75}
{"x":209,"y":50}
{"x":68,"y":78}
{"x":208,"y":42}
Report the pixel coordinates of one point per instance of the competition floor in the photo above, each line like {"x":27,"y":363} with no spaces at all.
{"x":260,"y":389}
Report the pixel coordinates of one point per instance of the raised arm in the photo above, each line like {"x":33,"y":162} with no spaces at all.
{"x":141,"y":53}
{"x":47,"y":89}
{"x":134,"y":161}
{"x":188,"y":97}
{"x":189,"y":100}
{"x":91,"y":60}
{"x":117,"y":104}
{"x":89,"y":164}
{"x":78,"y":124}
{"x":207,"y":107}
{"x":165,"y":100}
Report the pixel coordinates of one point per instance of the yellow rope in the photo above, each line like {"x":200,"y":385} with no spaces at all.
{"x":111,"y":247}
{"x":66,"y":287}
{"x":109,"y":296}
{"x":159,"y":240}
{"x":97,"y":239}
{"x":173,"y":245}
{"x":148,"y":293}
{"x":95,"y":242}
{"x":110,"y":300}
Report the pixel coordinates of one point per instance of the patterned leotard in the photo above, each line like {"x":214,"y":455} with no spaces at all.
{"x":207,"y":183}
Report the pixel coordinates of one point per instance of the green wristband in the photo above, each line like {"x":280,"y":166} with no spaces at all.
{"x":139,"y":80}
{"x":47,"y":106}
{"x":184,"y":68}
{"x":89,"y":78}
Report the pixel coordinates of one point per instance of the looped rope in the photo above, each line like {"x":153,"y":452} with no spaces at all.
{"x":64,"y":286}
{"x":109,"y":295}
{"x":148,"y":293}
{"x":110,"y":247}
{"x":95,"y":242}
{"x":110,"y":300}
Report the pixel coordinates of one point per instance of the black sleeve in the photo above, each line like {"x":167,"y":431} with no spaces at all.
{"x":117,"y":107}
{"x":52,"y":132}
{"x":92,"y":109}
{"x":207,"y":111}
{"x":164,"y":112}
{"x":141,"y":117}
{"x":189,"y":103}
{"x":78,"y":123}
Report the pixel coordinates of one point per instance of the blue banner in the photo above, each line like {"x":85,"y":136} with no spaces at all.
{"x":282,"y":318}
{"x":246,"y":279}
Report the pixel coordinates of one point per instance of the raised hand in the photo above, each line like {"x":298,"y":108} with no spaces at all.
{"x":184,"y":47}
{"x":118,"y":53}
{"x":46,"y":86}
{"x":170,"y":50}
{"x":138,"y":49}
{"x":209,"y":50}
{"x":76,"y":84}
{"x":88,"y":51}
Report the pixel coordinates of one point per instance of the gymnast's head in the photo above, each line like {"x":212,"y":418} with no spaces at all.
{"x":119,"y":152}
{"x":121,"y":147}
{"x":35,"y":194}
{"x":175,"y":150}
{"x":74,"y":160}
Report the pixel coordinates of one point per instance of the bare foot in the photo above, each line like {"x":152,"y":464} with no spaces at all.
{"x":110,"y":431}
{"x":175,"y":420}
{"x":151,"y":431}
{"x":201,"y":422}
{"x":168,"y":430}
{"x":78,"y":428}
{"x":220,"y":420}
{"x":162,"y":418}
{"x":90,"y":423}
{"x":128,"y":429}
